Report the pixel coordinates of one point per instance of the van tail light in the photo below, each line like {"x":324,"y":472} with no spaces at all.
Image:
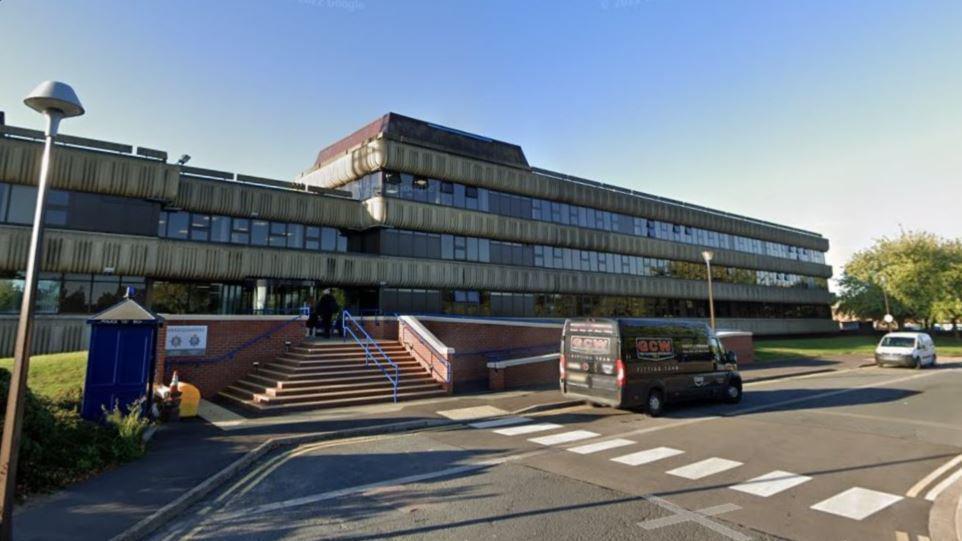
{"x":620,"y":373}
{"x":561,"y":366}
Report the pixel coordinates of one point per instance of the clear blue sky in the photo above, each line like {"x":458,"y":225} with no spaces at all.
{"x":838,"y":116}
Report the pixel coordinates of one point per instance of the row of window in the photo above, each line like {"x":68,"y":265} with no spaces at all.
{"x":429,"y":190}
{"x":509,"y":304}
{"x":195,"y":226}
{"x":69,"y":293}
{"x":78,"y":210}
{"x":459,"y":248}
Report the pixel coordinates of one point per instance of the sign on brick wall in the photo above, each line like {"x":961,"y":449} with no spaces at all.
{"x":186,"y":340}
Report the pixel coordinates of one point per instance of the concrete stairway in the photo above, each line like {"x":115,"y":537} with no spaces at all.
{"x":319,"y":374}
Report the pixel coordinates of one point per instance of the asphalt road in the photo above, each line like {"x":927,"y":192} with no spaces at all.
{"x":850,"y":455}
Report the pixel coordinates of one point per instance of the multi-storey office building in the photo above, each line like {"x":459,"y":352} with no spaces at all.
{"x":401,"y":216}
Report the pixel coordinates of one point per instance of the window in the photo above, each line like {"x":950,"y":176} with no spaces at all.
{"x":162,"y":225}
{"x":178,"y":225}
{"x":240,"y":233}
{"x":278,"y":235}
{"x":57,"y":204}
{"x":199,"y":227}
{"x":23,"y":200}
{"x":295,"y":236}
{"x":312,"y":238}
{"x":328,"y":239}
{"x":260,"y":230}
{"x":219,"y":229}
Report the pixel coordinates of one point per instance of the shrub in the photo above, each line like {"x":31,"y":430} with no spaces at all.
{"x":129,"y":429}
{"x":58,"y":447}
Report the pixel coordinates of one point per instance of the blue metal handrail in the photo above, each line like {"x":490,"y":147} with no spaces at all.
{"x":369,"y":357}
{"x":233,"y":353}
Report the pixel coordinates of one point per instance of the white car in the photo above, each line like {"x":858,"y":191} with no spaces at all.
{"x":915,"y":349}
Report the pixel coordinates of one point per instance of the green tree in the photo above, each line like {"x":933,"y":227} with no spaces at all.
{"x":911,"y":269}
{"x":948,"y":308}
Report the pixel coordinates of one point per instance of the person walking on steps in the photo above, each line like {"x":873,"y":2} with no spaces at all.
{"x":311,"y":324}
{"x":326,"y":308}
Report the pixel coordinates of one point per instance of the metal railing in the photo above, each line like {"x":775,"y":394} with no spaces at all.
{"x":371,"y":349}
{"x":409,"y":333}
{"x":229,"y":356}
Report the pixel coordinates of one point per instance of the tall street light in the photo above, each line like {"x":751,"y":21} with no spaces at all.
{"x":55,"y":101}
{"x":707,"y":255}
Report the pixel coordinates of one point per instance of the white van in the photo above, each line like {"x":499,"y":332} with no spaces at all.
{"x":915,"y":349}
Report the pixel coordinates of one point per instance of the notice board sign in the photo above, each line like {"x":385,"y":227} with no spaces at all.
{"x":186,"y":340}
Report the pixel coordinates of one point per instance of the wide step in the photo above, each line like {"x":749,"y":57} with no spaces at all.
{"x":325,"y":375}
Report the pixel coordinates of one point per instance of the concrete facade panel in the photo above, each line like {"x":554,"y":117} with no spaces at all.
{"x":89,"y":171}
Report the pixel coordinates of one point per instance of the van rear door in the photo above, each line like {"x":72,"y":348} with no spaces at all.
{"x":590,"y":352}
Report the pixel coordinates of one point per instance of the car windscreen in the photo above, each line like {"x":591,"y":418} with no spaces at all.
{"x":898,"y":342}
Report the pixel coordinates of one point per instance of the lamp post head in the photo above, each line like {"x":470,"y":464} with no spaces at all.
{"x":707,"y":255}
{"x":55,"y":96}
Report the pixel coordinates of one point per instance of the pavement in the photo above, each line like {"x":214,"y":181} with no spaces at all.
{"x":108,"y":504}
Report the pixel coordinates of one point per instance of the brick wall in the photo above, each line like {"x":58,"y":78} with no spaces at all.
{"x":741,"y":343}
{"x":526,"y":375}
{"x":225,"y":333}
{"x":471,"y":338}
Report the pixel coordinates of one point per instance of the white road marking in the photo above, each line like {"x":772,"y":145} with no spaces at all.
{"x":526,"y":429}
{"x":901,"y":536}
{"x":646,"y":457}
{"x":771,"y":483}
{"x":671,"y":520}
{"x":565,"y":437}
{"x":700,"y":518}
{"x":937,"y":489}
{"x":857,"y":503}
{"x":704,"y":468}
{"x":476,"y":412}
{"x":920,"y":486}
{"x":601,"y":446}
{"x":506,"y":421}
{"x":836,"y":392}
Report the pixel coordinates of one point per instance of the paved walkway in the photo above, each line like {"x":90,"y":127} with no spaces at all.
{"x":184,"y":454}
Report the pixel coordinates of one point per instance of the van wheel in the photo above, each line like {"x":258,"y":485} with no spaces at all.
{"x":656,"y":403}
{"x":733,"y":392}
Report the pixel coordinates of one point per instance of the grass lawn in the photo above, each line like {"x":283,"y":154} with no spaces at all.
{"x":769,"y":350}
{"x":55,"y":373}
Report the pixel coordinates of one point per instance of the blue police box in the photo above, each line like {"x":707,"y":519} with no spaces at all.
{"x":121,"y":358}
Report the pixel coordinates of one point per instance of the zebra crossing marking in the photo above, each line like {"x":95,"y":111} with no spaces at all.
{"x":564,"y":437}
{"x":526,"y":429}
{"x":704,"y":468}
{"x":646,"y":457}
{"x":600,"y":446}
{"x":771,"y":483}
{"x":857,"y":503}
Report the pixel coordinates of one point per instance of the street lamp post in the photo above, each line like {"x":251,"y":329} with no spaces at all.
{"x":55,"y":101}
{"x":707,"y":256}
